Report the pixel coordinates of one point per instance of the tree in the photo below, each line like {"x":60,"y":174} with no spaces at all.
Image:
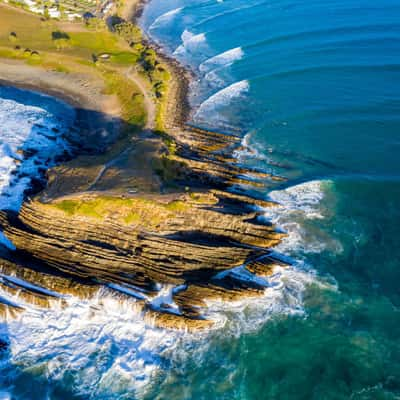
{"x":12,"y":37}
{"x":128,"y":32}
{"x":60,"y":39}
{"x":46,"y":13}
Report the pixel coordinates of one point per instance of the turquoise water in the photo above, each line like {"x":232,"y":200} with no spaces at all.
{"x":314,"y":87}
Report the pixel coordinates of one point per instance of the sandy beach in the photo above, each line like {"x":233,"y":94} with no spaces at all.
{"x":83,"y":91}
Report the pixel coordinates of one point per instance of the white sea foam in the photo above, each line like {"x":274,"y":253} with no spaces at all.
{"x":224,"y":59}
{"x":305,"y":198}
{"x":165,"y":18}
{"x":103,"y":340}
{"x":209,"y":108}
{"x":108,"y":348}
{"x":31,"y":130}
{"x":191,"y":43}
{"x":283,"y":296}
{"x":249,"y":150}
{"x":215,"y":70}
{"x":297,"y":207}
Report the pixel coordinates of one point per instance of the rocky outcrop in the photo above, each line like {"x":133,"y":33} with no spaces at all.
{"x":184,"y":226}
{"x":185,"y":241}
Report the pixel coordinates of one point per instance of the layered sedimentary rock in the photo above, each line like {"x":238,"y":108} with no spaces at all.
{"x":183,"y":227}
{"x":147,"y":242}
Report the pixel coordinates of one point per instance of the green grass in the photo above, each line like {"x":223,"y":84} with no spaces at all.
{"x":9,"y":53}
{"x":132,"y":218}
{"x":141,"y":211}
{"x":177,"y":206}
{"x":77,"y":47}
{"x":168,"y":169}
{"x":94,"y":208}
{"x":97,"y":42}
{"x":125,"y":58}
{"x":35,"y":34}
{"x":130,"y":97}
{"x":68,"y":206}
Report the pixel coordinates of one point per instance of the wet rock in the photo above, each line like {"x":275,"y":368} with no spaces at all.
{"x":3,"y":345}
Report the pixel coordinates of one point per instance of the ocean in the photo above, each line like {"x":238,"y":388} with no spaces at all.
{"x":314,"y":89}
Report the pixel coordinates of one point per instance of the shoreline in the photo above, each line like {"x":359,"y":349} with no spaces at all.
{"x":91,"y":108}
{"x":181,"y":75}
{"x":147,"y":214}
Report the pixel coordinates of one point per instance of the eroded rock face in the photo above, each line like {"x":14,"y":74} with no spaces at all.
{"x":140,"y":243}
{"x":3,"y":345}
{"x":146,"y":243}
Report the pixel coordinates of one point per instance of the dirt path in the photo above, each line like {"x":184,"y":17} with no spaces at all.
{"x":148,"y":101}
{"x":149,"y":127}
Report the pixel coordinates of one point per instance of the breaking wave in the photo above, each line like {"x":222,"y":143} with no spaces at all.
{"x":31,"y":141}
{"x":210,"y":107}
{"x":224,"y":59}
{"x":300,"y":212}
{"x":215,"y":69}
{"x":165,"y":18}
{"x":191,"y":43}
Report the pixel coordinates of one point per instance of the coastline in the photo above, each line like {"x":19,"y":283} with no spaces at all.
{"x":179,"y":226}
{"x":93,"y":109}
{"x":180,"y":75}
{"x":178,"y":112}
{"x":158,"y":266}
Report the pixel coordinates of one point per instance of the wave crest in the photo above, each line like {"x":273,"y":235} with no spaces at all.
{"x":225,"y":59}
{"x":165,"y":18}
{"x":223,"y":97}
{"x":190,"y":43}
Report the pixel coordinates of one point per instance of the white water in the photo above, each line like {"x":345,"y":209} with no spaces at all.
{"x":165,"y":18}
{"x":297,"y":207}
{"x":191,"y":44}
{"x":28,"y":128}
{"x":211,"y":108}
{"x":110,"y":349}
{"x":223,"y":59}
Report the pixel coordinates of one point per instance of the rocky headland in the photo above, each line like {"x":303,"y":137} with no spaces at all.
{"x":140,"y":208}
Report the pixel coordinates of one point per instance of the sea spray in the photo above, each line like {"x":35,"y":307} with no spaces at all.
{"x":191,"y":44}
{"x":31,"y":141}
{"x":300,"y":212}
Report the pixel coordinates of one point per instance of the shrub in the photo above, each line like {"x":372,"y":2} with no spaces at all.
{"x":12,"y":37}
{"x":129,"y":32}
{"x":60,"y":39}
